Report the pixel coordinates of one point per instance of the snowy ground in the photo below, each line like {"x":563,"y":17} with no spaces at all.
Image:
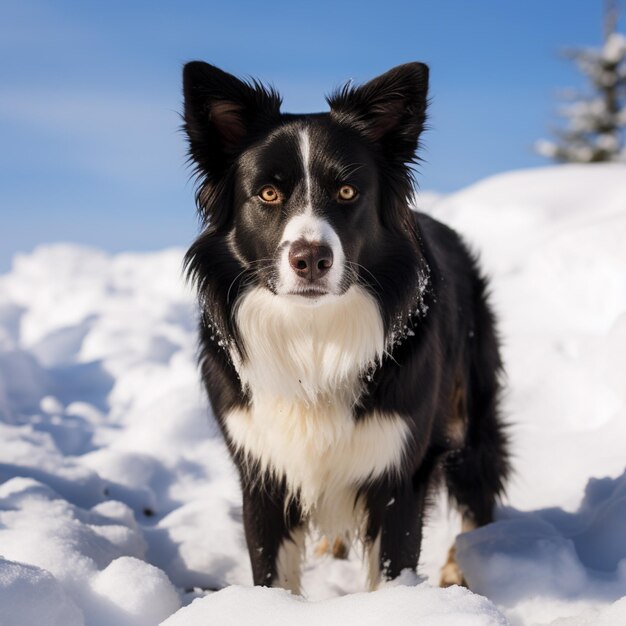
{"x":118,"y":501}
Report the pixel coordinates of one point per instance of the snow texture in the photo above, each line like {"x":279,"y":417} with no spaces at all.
{"x":119,"y":504}
{"x":395,"y":605}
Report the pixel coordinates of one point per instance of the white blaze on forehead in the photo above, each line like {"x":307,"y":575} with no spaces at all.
{"x":310,"y":228}
{"x":305,"y":153}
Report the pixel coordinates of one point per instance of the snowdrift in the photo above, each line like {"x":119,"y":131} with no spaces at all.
{"x":119,"y":505}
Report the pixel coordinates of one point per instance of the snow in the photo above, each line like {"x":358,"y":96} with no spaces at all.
{"x":614,"y":49}
{"x":119,"y":504}
{"x":399,"y":605}
{"x":133,"y":593}
{"x":30,"y":595}
{"x":569,"y":557}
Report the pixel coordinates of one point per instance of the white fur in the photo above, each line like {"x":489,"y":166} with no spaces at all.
{"x":302,"y":370}
{"x":324,"y":474}
{"x":373,"y":563}
{"x":308,"y":227}
{"x":304,"y":355}
{"x":468,"y":523}
{"x":305,"y":153}
{"x":289,"y":561}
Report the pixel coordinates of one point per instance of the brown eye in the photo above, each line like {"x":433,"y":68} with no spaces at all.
{"x":269,"y":194}
{"x":347,"y":193}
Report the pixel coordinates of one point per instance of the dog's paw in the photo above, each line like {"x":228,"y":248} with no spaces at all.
{"x":322,"y":547}
{"x":339,"y":548}
{"x":451,"y":573}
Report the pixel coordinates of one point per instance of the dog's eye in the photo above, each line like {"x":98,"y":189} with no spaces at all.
{"x":347,"y":193}
{"x":270,"y":194}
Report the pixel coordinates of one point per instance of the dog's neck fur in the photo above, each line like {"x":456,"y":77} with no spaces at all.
{"x":304,"y":354}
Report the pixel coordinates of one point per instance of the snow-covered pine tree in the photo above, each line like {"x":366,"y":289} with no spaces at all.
{"x":596,"y":120}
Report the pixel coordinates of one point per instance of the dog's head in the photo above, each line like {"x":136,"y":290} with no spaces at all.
{"x":304,"y":205}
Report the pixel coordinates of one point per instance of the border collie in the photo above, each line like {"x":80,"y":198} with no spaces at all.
{"x":347,"y":346}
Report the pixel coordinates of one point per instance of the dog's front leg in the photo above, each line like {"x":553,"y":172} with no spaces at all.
{"x":394,"y":534}
{"x":275,"y":535}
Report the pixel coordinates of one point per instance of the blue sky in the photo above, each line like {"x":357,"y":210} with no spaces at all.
{"x":90,"y":147}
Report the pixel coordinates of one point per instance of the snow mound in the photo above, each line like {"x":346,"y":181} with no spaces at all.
{"x":394,"y":605}
{"x":30,"y":595}
{"x":131,"y":592}
{"x":551,"y":554}
{"x":610,"y":616}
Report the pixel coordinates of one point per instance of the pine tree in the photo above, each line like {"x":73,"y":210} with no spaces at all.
{"x":596,"y":121}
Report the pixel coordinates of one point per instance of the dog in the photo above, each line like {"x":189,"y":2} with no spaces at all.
{"x":347,"y":346}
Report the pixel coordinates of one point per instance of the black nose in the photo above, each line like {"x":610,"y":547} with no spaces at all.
{"x":310,"y":260}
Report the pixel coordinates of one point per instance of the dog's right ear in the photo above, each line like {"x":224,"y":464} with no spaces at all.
{"x":222,"y":112}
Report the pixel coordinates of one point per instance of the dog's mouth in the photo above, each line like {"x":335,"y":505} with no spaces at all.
{"x":309,"y":293}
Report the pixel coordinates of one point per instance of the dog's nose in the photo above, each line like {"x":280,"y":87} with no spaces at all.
{"x":310,"y":260}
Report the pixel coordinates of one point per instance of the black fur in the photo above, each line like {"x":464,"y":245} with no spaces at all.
{"x":443,"y":374}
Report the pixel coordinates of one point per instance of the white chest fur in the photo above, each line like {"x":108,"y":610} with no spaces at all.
{"x":303,"y":369}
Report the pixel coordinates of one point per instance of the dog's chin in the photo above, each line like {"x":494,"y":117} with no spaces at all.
{"x":305,"y":296}
{"x":309,"y":297}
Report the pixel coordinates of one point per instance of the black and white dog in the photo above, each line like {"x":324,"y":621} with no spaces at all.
{"x":347,"y":346}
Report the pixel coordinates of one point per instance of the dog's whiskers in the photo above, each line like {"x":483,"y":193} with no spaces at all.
{"x":252,"y":270}
{"x":353,"y":265}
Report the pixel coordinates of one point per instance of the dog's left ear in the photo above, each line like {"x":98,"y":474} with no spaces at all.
{"x":389,"y":109}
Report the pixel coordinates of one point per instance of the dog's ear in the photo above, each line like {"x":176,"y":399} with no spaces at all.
{"x":220,"y":114}
{"x":389,"y":109}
